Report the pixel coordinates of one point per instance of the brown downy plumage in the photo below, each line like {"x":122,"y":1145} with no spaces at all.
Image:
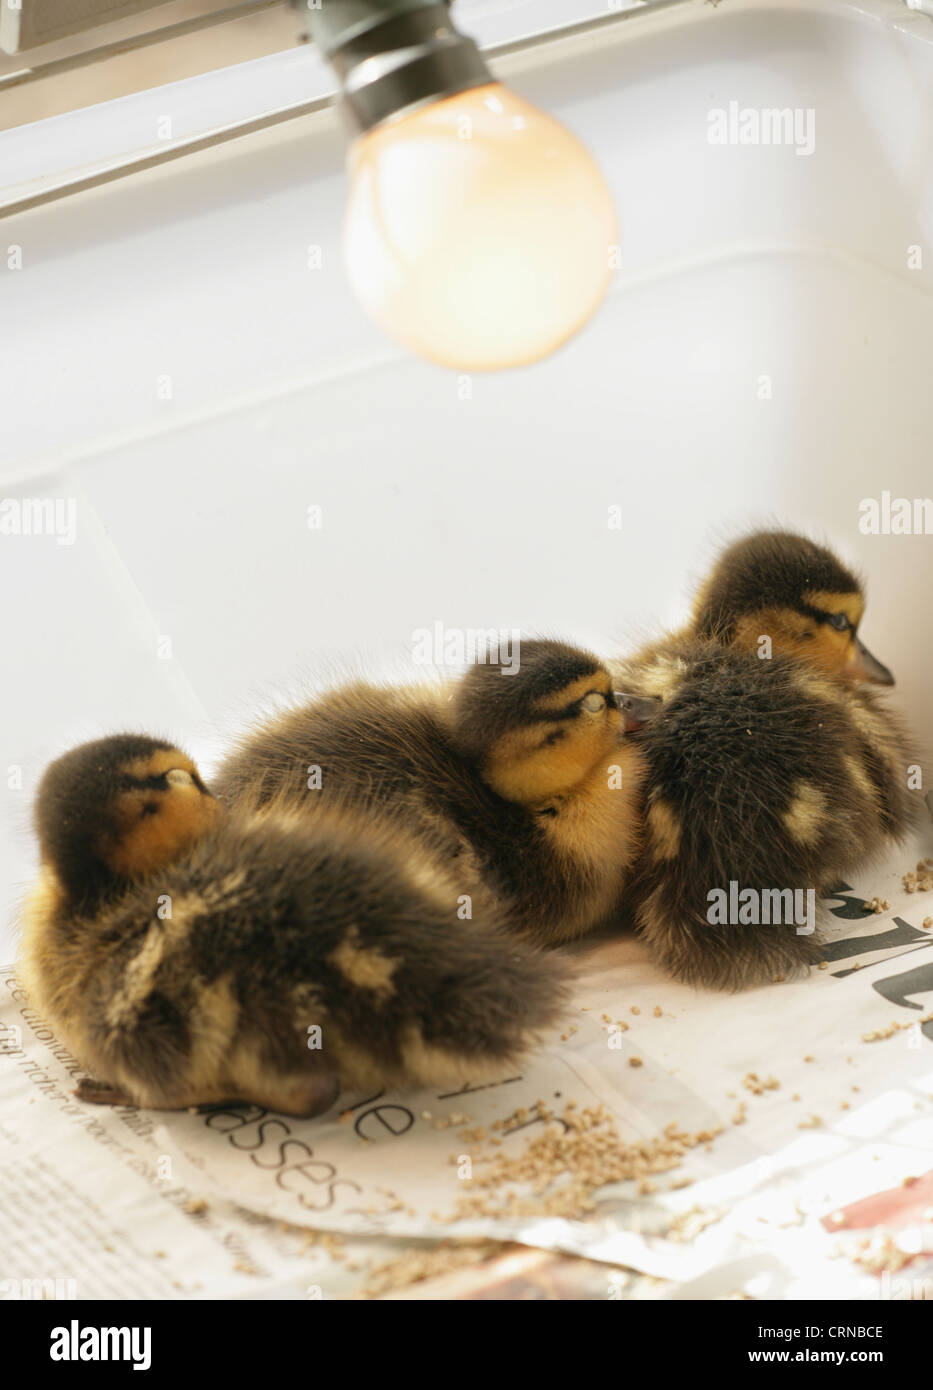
{"x":187,"y":954}
{"x":770,"y":766}
{"x":523,"y":783}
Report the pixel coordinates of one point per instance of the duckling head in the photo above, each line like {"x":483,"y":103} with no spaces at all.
{"x":785,"y":587}
{"x":539,"y":727}
{"x":116,"y":810}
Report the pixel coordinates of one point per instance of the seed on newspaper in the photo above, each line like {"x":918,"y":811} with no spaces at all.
{"x":566,"y":1164}
{"x":928,"y":921}
{"x":758,"y":1085}
{"x":881,"y":1254}
{"x":635,"y":1062}
{"x":416,"y":1266}
{"x":876,"y":1034}
{"x":658,"y":1011}
{"x":635,"y":1009}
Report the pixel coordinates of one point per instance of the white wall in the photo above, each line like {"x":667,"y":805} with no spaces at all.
{"x":491,"y":511}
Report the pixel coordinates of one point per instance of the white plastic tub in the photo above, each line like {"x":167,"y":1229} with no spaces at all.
{"x":765,"y":354}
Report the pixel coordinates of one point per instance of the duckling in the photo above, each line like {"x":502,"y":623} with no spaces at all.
{"x":768,"y":771}
{"x":190,"y":955}
{"x":795,"y":592}
{"x":520,"y":777}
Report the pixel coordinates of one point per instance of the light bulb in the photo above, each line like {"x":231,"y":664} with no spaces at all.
{"x":478,"y":230}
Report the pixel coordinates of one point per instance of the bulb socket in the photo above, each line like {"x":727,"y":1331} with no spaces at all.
{"x":391,"y":56}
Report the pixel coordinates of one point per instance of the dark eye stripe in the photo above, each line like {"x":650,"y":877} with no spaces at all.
{"x":822,"y":616}
{"x":547,"y":716}
{"x":154,"y":783}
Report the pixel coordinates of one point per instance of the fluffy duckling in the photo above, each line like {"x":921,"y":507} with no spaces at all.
{"x":188,"y":955}
{"x":769,"y":772}
{"x":517,"y":777}
{"x":796,"y":593}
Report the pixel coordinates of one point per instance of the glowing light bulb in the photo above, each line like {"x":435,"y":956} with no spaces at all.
{"x":478,"y":230}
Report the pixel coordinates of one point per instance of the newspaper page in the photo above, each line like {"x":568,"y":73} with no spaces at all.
{"x":771,"y":1144}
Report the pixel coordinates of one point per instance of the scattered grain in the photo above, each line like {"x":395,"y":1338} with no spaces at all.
{"x":758,"y":1085}
{"x":878,"y":1034}
{"x":415,"y":1266}
{"x":558,"y":1171}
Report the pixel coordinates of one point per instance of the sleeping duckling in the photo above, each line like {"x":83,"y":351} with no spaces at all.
{"x":772,"y":773}
{"x":189,"y":955}
{"x":518,"y":778}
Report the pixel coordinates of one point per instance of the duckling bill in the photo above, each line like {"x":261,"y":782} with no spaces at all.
{"x":188,"y":955}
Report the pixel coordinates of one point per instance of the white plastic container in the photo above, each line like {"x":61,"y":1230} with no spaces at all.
{"x":173,"y":366}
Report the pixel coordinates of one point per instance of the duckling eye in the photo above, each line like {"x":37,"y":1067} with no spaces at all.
{"x":178,"y":777}
{"x":149,"y":808}
{"x":839,"y":621}
{"x":593,"y":702}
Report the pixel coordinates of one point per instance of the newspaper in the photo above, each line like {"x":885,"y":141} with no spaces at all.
{"x":816,"y":1182}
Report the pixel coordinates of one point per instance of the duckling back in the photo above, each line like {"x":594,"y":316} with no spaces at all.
{"x":765,"y":775}
{"x":276,"y":962}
